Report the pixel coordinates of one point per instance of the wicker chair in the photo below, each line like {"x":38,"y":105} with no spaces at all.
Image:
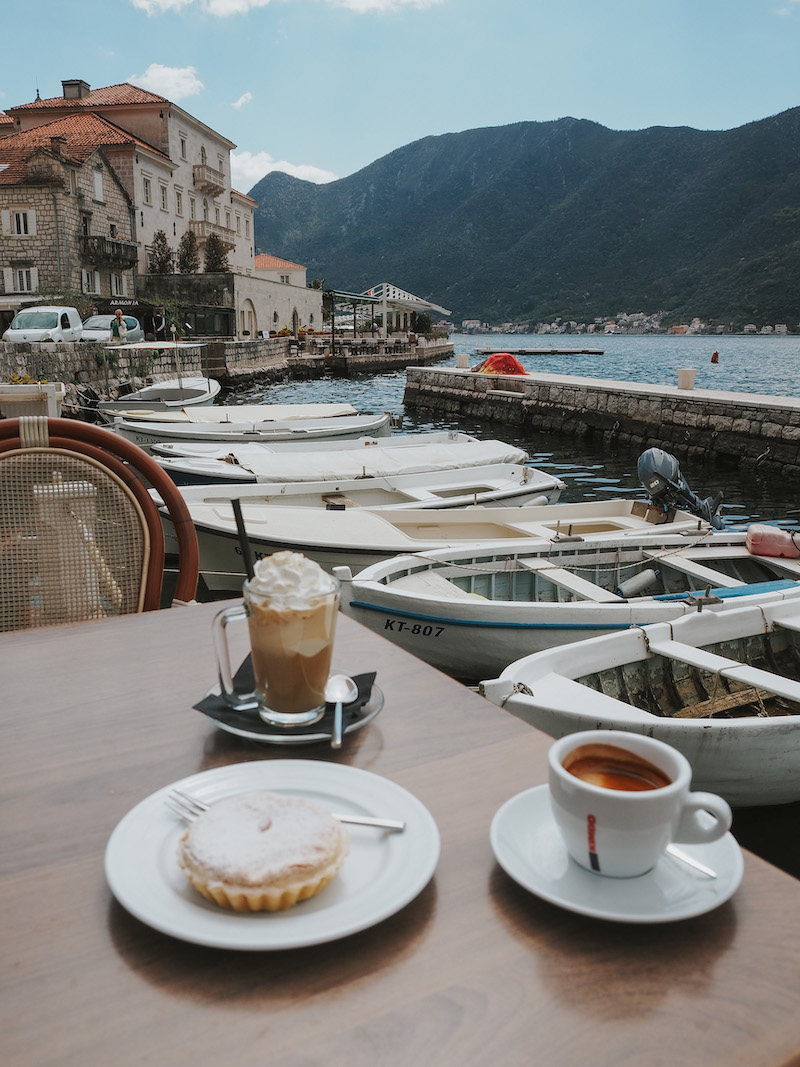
{"x":80,"y":536}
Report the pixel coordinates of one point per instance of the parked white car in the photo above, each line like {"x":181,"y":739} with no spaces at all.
{"x":45,"y":324}
{"x":98,"y":328}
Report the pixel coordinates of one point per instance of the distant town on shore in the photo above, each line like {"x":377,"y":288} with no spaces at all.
{"x":638,"y":323}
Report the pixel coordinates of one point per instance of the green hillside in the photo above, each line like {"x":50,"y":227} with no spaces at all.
{"x":536,"y":220}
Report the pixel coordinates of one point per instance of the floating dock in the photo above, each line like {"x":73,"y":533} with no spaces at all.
{"x":540,"y":351}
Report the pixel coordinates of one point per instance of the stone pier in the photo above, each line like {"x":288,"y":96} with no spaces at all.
{"x":748,"y":428}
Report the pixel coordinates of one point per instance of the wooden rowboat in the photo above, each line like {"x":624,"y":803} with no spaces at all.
{"x":723,"y":688}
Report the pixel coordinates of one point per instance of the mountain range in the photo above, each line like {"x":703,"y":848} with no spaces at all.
{"x":538,"y":220}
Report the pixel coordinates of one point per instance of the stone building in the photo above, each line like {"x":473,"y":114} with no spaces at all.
{"x":290,"y":302}
{"x":65,"y":219}
{"x":176,"y":174}
{"x":175,"y":169}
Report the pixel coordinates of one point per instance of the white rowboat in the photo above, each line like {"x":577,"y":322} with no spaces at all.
{"x":471,"y":611}
{"x":146,"y":433}
{"x":167,"y":397}
{"x":721,"y":688}
{"x":356,"y":538}
{"x":240,"y":465}
{"x":492,"y":485}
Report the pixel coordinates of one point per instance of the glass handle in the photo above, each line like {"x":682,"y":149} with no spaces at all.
{"x":240,"y":701}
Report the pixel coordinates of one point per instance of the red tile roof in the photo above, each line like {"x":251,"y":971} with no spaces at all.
{"x":267,"y":262}
{"x":244,"y":196}
{"x":110,"y":96}
{"x":82,"y":133}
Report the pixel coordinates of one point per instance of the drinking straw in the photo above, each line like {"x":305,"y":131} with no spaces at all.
{"x":247,"y":553}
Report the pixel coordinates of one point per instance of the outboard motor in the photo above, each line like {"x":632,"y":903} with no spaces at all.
{"x":660,"y":474}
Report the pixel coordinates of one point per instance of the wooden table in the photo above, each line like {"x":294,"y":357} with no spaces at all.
{"x":475,"y":970}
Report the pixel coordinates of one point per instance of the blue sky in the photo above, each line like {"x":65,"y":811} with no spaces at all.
{"x":322,"y":88}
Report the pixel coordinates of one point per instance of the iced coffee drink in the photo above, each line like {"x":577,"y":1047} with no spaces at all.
{"x":291,"y":606}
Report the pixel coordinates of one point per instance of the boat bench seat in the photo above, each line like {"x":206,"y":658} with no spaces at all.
{"x":431,"y":583}
{"x":688,"y":566}
{"x":567,"y":580}
{"x":731,"y":669}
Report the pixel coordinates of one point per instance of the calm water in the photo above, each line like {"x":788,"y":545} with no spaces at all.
{"x":593,"y":469}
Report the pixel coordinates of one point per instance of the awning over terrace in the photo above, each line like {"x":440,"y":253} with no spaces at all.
{"x":396,"y":305}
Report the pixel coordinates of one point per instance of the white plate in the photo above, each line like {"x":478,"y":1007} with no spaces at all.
{"x":382,"y":873}
{"x":529,"y":847}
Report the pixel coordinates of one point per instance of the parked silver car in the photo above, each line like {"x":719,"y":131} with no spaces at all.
{"x":98,"y":328}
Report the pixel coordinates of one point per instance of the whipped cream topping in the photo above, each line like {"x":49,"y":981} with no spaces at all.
{"x":293,"y":576}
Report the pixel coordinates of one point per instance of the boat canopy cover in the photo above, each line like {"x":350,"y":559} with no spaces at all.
{"x":376,"y":462}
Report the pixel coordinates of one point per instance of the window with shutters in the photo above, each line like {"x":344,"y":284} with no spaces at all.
{"x":90,"y":281}
{"x":20,"y":279}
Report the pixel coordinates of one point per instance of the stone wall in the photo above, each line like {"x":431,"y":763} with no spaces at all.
{"x":92,"y":366}
{"x":742,"y":427}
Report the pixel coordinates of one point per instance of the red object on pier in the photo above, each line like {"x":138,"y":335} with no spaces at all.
{"x":501,"y":363}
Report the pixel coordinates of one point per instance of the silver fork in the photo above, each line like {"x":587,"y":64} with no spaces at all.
{"x":189,"y":808}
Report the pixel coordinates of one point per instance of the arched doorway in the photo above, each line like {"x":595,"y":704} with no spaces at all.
{"x":248,"y":319}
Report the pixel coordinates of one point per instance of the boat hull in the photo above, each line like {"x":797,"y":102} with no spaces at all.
{"x":173,"y":394}
{"x":496,"y":485}
{"x":252,"y":464}
{"x":146,"y":434}
{"x":473,"y":632}
{"x":356,"y":538}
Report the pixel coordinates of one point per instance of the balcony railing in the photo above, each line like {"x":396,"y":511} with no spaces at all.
{"x":208,"y":180}
{"x":110,"y":250}
{"x":203,"y":229}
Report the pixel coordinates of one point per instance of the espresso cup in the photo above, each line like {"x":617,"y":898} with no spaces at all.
{"x":620,"y":798}
{"x":291,"y":646}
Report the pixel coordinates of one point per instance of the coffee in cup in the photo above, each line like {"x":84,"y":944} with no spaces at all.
{"x":620,"y":798}
{"x":291,"y":606}
{"x":612,"y":767}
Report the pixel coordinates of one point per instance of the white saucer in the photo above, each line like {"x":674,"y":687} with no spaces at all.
{"x":383,"y":871}
{"x":528,"y":846}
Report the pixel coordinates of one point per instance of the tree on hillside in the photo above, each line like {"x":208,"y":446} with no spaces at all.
{"x":188,"y":254}
{"x":216,"y":261}
{"x":160,"y":254}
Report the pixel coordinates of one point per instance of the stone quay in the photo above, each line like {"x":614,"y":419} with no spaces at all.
{"x":747,"y":428}
{"x":94,"y":368}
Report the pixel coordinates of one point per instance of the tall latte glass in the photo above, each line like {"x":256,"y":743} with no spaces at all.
{"x":291,"y":606}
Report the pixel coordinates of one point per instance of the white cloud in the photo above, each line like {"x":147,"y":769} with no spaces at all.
{"x":245,"y":98}
{"x":213,"y":7}
{"x":224,"y":8}
{"x":248,"y":168}
{"x":363,"y":7}
{"x":152,"y":7}
{"x":176,"y":83}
